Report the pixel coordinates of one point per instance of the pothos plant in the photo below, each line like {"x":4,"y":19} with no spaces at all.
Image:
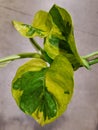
{"x":43,"y":86}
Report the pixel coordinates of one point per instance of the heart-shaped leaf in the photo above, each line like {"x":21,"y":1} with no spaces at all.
{"x":44,"y":92}
{"x":62,"y":40}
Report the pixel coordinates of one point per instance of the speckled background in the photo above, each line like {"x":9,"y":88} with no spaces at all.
{"x":82,"y":113}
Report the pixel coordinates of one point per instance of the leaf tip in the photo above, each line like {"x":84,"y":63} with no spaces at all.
{"x":14,"y":22}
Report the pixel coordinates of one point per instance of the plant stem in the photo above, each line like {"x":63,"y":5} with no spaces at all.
{"x":91,"y":58}
{"x":36,"y":45}
{"x":20,"y":56}
{"x":93,"y":61}
{"x":38,"y":48}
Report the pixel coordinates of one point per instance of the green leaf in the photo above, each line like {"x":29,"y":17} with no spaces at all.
{"x":61,"y":38}
{"x":52,"y":43}
{"x":44,"y":93}
{"x":61,"y":19}
{"x":36,"y":64}
{"x":28,"y":31}
{"x":42,"y":21}
{"x":34,"y":92}
{"x":35,"y":98}
{"x":60,"y":82}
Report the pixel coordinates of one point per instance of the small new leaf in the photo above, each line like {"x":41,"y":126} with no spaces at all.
{"x":42,"y":21}
{"x":28,"y":31}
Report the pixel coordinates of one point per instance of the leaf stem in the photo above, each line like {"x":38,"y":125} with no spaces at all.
{"x":35,"y":44}
{"x":20,"y":56}
{"x":44,"y":54}
{"x":91,"y":58}
{"x":93,"y":61}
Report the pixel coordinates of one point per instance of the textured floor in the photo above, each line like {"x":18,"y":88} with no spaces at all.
{"x":82,"y":113}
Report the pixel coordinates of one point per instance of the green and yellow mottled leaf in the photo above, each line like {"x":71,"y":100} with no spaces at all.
{"x":44,"y":92}
{"x":52,"y":42}
{"x":65,"y":42}
{"x":28,"y":31}
{"x":36,"y":64}
{"x":60,"y":82}
{"x":42,"y":21}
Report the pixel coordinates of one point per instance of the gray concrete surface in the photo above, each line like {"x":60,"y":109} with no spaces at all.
{"x":82,"y":113}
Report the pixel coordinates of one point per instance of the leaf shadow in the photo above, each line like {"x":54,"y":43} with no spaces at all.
{"x":52,"y":126}
{"x":2,"y":122}
{"x":96,"y":127}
